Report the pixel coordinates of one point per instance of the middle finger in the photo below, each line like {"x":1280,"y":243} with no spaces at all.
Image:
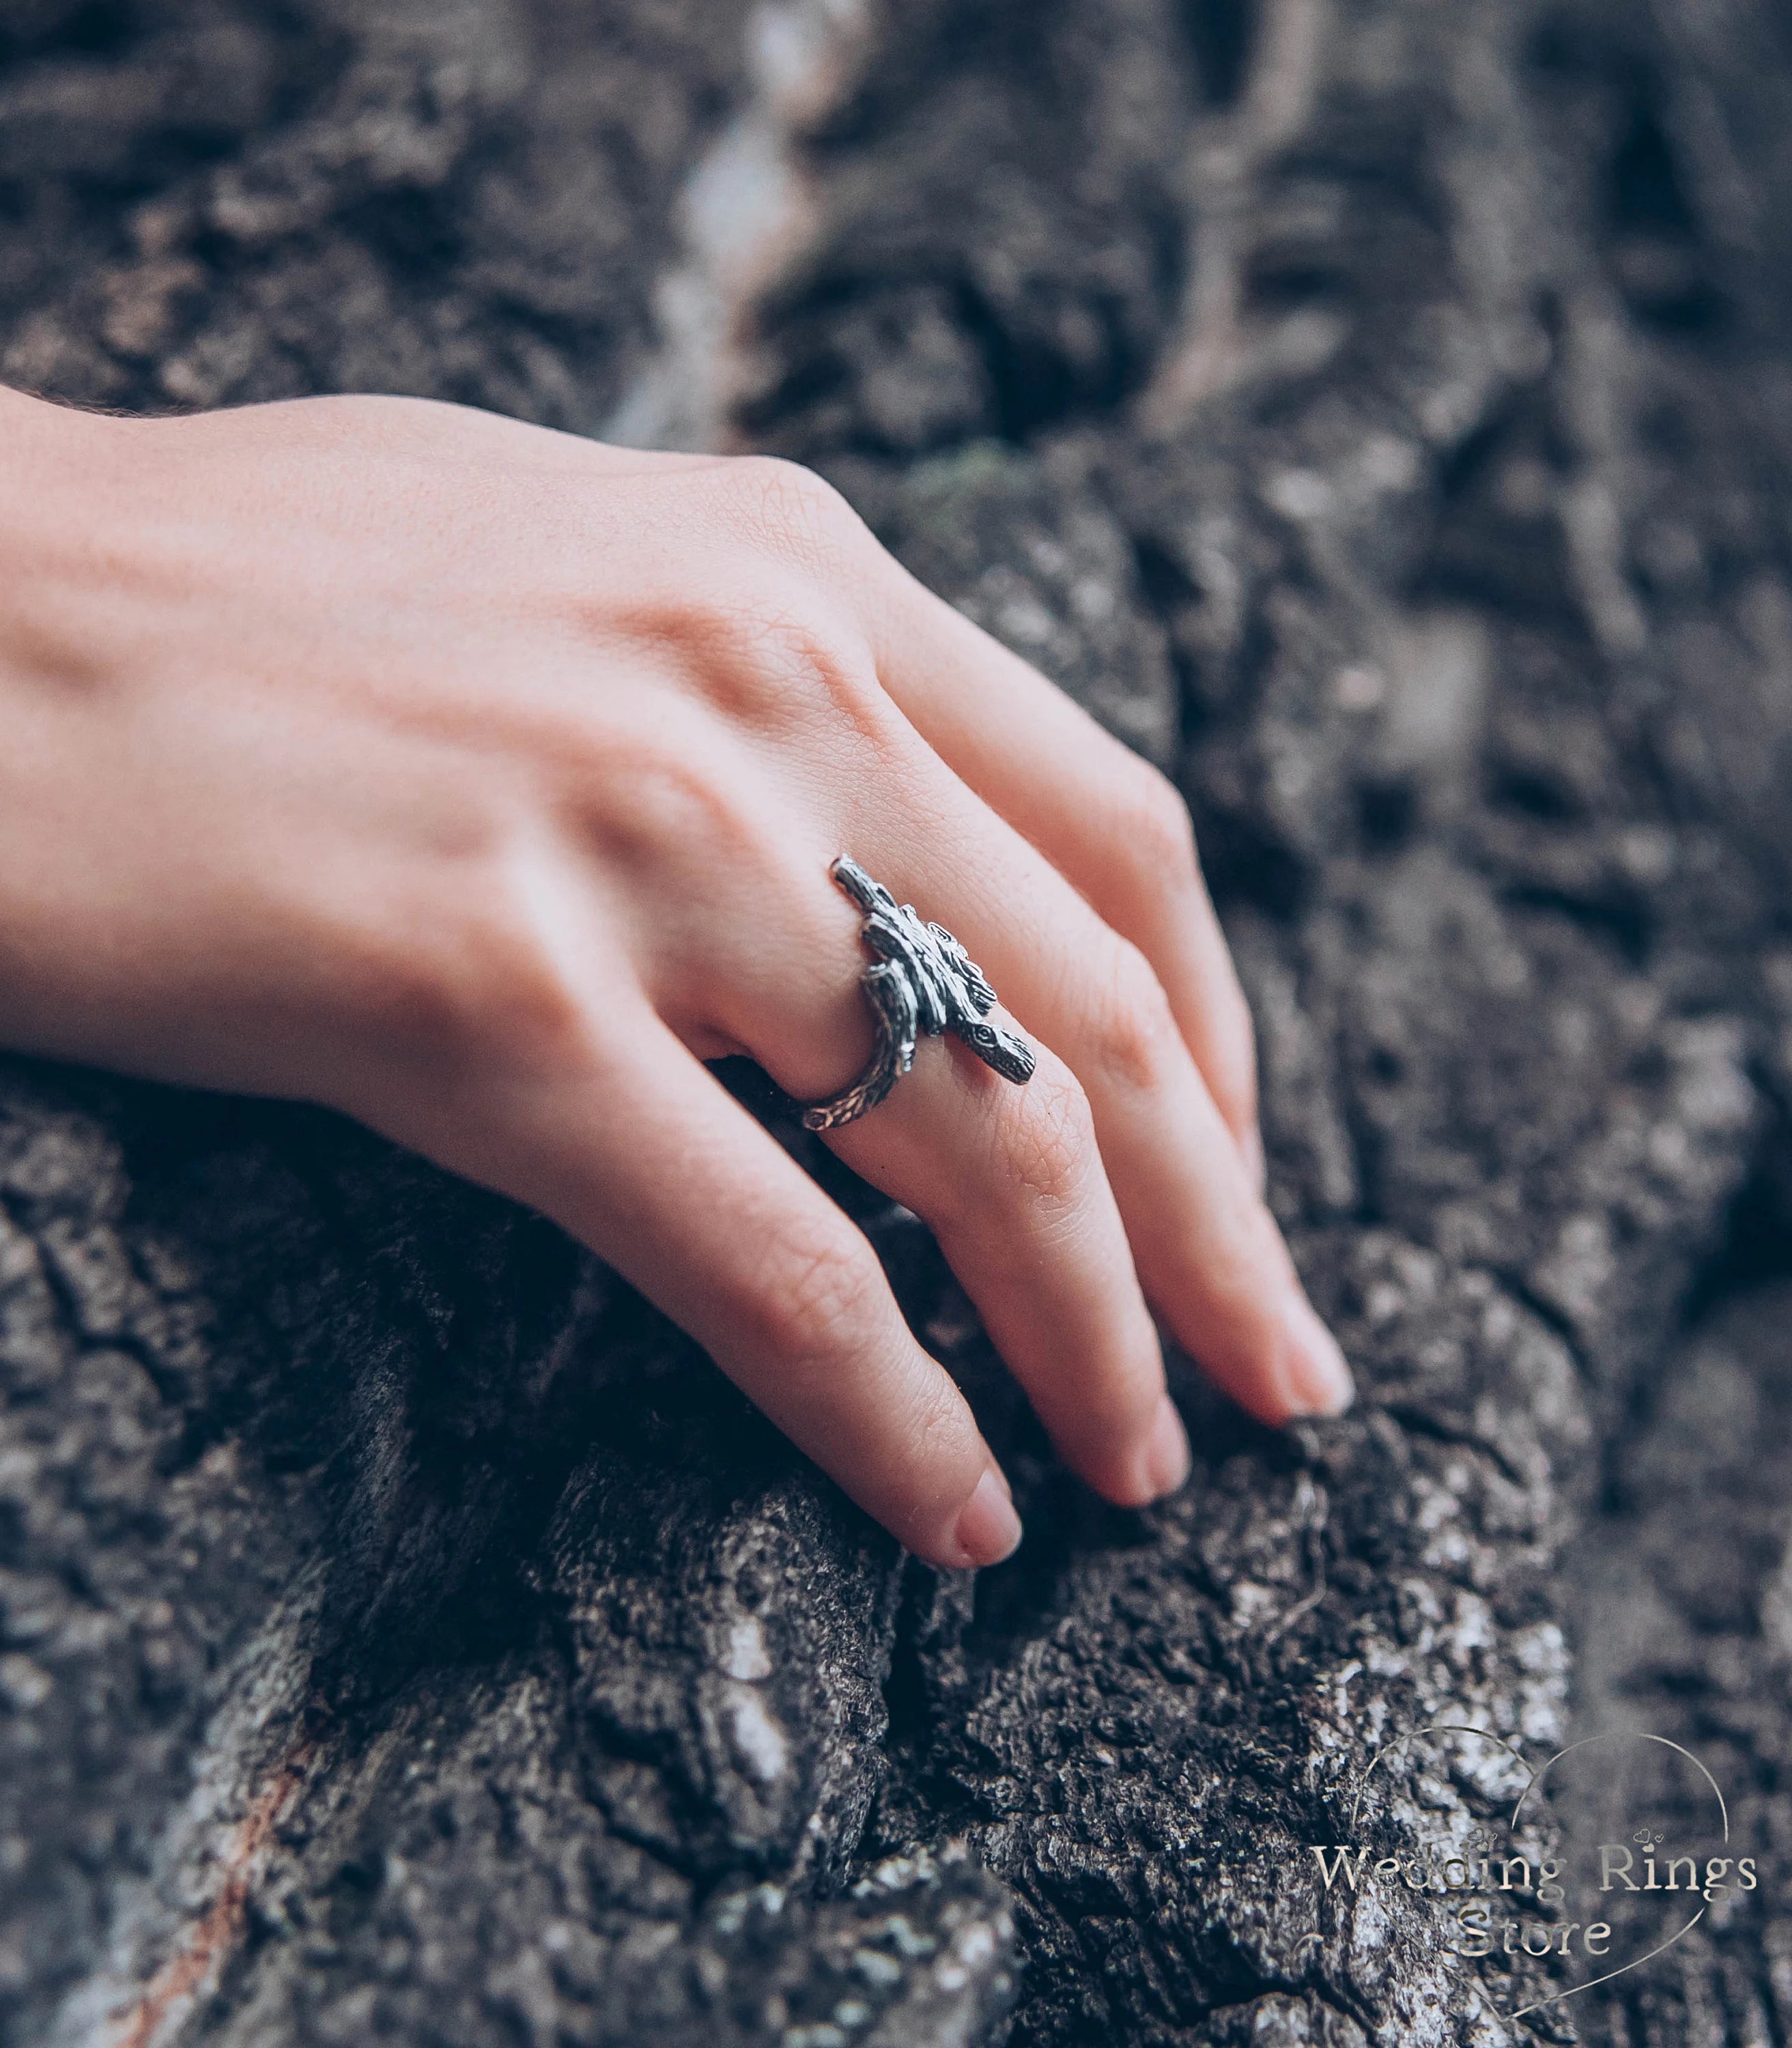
{"x":1206,"y":1248}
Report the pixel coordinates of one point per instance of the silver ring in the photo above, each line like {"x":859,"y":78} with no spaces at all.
{"x":922,"y":983}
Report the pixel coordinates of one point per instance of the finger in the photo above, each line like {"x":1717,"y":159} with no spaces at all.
{"x":1011,"y":1182}
{"x":646,"y":1158}
{"x":1108,"y":822}
{"x":1207,"y":1250}
{"x":1009,"y":1179}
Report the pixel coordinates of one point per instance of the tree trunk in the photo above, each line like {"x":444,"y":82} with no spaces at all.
{"x":1379,"y":414}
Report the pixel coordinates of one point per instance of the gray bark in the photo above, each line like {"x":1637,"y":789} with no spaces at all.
{"x":1378,"y":414}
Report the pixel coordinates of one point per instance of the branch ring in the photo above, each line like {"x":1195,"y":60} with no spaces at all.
{"x":922,"y":983}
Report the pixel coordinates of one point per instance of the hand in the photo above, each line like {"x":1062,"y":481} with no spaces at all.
{"x":482,"y":782}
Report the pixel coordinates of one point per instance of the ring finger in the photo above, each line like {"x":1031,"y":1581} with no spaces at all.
{"x":1009,"y":1179}
{"x":1209,"y":1254}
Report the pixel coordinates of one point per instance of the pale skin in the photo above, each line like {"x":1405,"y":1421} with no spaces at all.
{"x":482,"y":782}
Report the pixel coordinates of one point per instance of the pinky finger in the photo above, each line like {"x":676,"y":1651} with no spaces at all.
{"x":649,"y":1161}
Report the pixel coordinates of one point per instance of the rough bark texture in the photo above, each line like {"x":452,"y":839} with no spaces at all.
{"x":1376,"y":411}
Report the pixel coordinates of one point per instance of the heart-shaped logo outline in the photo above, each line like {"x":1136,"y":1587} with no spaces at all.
{"x":1534,"y":1779}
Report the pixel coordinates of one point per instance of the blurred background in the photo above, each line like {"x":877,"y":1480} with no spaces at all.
{"x":1379,"y":414}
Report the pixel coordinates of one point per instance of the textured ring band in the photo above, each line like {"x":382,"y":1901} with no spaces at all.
{"x":922,"y":983}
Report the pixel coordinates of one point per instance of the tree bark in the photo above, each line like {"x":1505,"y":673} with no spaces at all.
{"x":1378,"y":414}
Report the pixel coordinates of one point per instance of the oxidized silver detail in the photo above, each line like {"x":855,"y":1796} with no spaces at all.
{"x":922,"y":983}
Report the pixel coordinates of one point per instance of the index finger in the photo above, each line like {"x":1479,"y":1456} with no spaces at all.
{"x":1113,"y":826}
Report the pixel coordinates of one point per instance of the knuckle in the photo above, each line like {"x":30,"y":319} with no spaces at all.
{"x":938,"y":1424}
{"x":1160,"y":832}
{"x":826,"y":1296}
{"x":785,"y":666}
{"x":1131,"y":1031}
{"x":659,"y":804}
{"x":480,"y":989}
{"x":1047,"y":1140}
{"x":770,"y":652}
{"x":792,"y":511}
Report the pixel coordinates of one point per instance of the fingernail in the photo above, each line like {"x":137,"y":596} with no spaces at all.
{"x":1166,"y":1457}
{"x":988,"y":1528}
{"x":1313,"y":1369}
{"x":1250,"y":1151}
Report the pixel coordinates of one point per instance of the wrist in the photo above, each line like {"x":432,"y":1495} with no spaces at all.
{"x":53,"y":495}
{"x":53,"y":457}
{"x":57,"y":480}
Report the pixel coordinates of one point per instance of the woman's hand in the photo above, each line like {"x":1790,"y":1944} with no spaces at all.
{"x":483,"y":783}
